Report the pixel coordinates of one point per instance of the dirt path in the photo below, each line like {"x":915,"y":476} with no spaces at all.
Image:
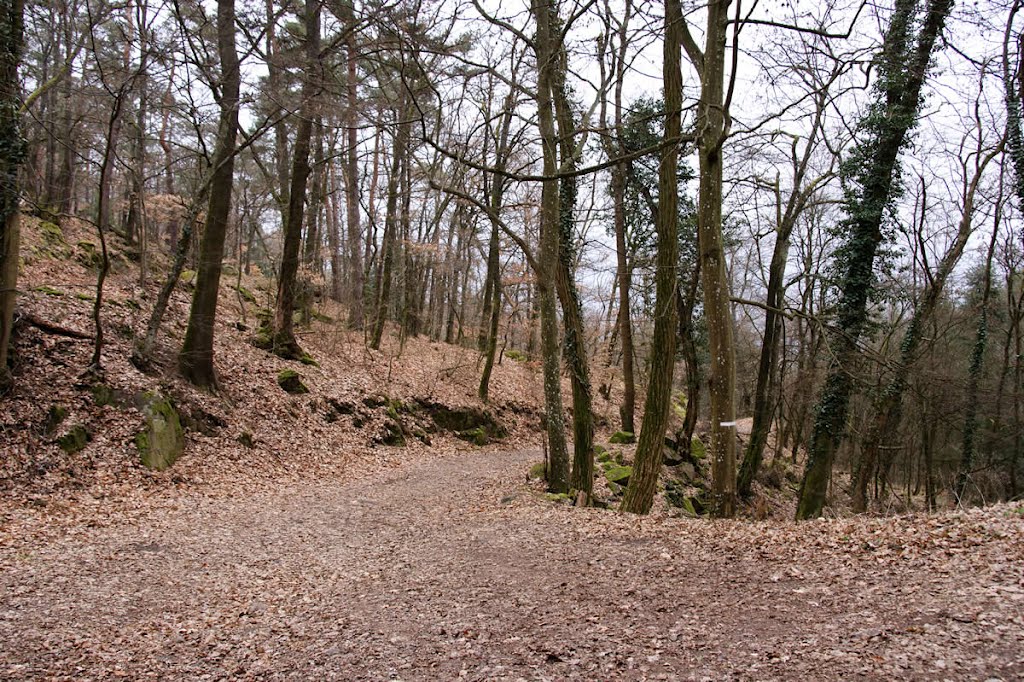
{"x":451,"y":568}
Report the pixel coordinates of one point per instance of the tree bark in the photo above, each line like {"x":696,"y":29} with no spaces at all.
{"x":574,"y":343}
{"x":496,"y":199}
{"x":966,"y":463}
{"x":650,"y":449}
{"x":902,"y":70}
{"x":284,"y":342}
{"x":888,"y":411}
{"x":546,"y":50}
{"x":717,"y":305}
{"x":384,"y":272}
{"x":355,"y":264}
{"x":767,"y":370}
{"x":196,"y":358}
{"x":12,"y":153}
{"x":685,"y":303}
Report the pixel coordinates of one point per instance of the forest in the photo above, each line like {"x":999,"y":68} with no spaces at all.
{"x":689,"y":261}
{"x":814,"y":224}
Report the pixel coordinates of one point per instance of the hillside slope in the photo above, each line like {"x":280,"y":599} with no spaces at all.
{"x":364,"y":409}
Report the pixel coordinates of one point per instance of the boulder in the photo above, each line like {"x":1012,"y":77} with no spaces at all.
{"x":391,"y":434}
{"x":622,"y":438}
{"x":686,"y":471}
{"x":477,"y":436}
{"x":697,"y":449}
{"x":162,"y":439}
{"x":619,"y":475}
{"x":671,"y":457}
{"x":290,"y":381}
{"x":54,"y":417}
{"x":75,"y":439}
{"x":466,"y":422}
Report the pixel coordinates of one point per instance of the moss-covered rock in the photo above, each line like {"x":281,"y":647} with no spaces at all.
{"x":477,"y":436}
{"x":464,"y":420}
{"x":561,"y":498}
{"x":53,"y":238}
{"x":697,"y":448}
{"x":538,"y":471}
{"x":162,"y":439}
{"x":603,"y":455}
{"x":55,"y":416}
{"x":290,"y":381}
{"x":677,"y":495}
{"x":320,"y":317}
{"x":675,"y":492}
{"x":75,"y":439}
{"x":49,"y":291}
{"x":687,"y":506}
{"x":102,"y":394}
{"x":516,"y":355}
{"x":308,"y":359}
{"x":88,"y":254}
{"x":396,"y":407}
{"x":246,"y":295}
{"x":622,"y":438}
{"x":392,"y":434}
{"x":619,"y":475}
{"x":687,"y":471}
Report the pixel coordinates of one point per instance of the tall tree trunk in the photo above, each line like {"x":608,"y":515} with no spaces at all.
{"x":546,"y":49}
{"x":284,"y":342}
{"x":334,"y":235}
{"x":966,"y":464}
{"x":491,"y":345}
{"x":102,"y":209}
{"x":902,"y":69}
{"x":767,"y":369}
{"x":311,"y":247}
{"x":134,"y":224}
{"x":384,"y":272}
{"x":12,"y":31}
{"x":624,"y":319}
{"x":575,"y":341}
{"x":409,"y":315}
{"x":888,"y":411}
{"x":495,"y":199}
{"x":173,"y":225}
{"x":650,"y":450}
{"x":277,"y":95}
{"x":196,"y":358}
{"x":717,"y":306}
{"x":686,"y":300}
{"x":355,"y":265}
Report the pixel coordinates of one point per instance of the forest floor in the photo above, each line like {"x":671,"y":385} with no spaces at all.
{"x":453,"y":567}
{"x":294,"y":540}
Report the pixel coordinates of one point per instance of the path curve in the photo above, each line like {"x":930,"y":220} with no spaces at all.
{"x":453,"y":568}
